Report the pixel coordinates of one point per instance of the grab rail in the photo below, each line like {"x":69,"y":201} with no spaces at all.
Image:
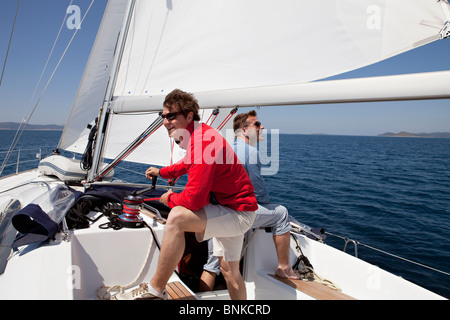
{"x":355,"y":243}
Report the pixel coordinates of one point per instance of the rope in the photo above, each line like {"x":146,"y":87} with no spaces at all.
{"x":152,"y":199}
{"x":22,"y":128}
{"x":322,"y":280}
{"x":390,"y":254}
{"x":10,"y":41}
{"x":49,"y":56}
{"x":227,"y":118}
{"x":104,"y":292}
{"x":206,"y":122}
{"x":407,"y":260}
{"x":1,"y":80}
{"x":307,"y":272}
{"x":215,"y":112}
{"x":136,"y":143}
{"x":87,"y":157}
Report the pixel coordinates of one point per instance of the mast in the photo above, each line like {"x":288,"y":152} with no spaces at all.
{"x":105,"y":109}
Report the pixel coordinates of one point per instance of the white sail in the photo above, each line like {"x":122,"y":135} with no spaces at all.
{"x":252,"y":52}
{"x":92,"y":88}
{"x":267,"y":54}
{"x":204,"y":45}
{"x":158,"y":148}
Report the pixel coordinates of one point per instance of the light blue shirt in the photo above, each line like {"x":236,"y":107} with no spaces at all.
{"x":248,"y":156}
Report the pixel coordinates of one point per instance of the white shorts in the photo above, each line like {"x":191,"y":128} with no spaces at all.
{"x":227,"y":227}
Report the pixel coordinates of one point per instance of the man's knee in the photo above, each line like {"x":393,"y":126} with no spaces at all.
{"x":282,"y":212}
{"x":176,"y":217}
{"x":229,"y":268}
{"x":225,"y":268}
{"x":283,"y":224}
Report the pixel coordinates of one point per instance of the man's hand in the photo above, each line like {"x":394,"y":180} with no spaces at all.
{"x":164,"y":197}
{"x":152,"y":172}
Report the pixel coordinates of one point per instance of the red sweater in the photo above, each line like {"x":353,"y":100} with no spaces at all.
{"x":212,"y":167}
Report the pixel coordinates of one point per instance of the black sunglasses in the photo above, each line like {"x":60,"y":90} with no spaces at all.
{"x":169,"y":116}
{"x":257,"y":124}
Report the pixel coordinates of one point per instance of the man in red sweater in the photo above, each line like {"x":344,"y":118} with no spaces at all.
{"x":215,"y":175}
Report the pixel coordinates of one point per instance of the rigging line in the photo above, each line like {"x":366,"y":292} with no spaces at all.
{"x":1,"y":79}
{"x":129,"y":149}
{"x":407,"y":260}
{"x":50,"y":55}
{"x":214,"y":119}
{"x":390,"y":254}
{"x":228,"y":117}
{"x":60,"y":60}
{"x":136,"y":172}
{"x":48,"y":83}
{"x":9,"y":44}
{"x":19,"y":128}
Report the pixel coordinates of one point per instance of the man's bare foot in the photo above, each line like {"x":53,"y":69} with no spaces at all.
{"x":287,"y":273}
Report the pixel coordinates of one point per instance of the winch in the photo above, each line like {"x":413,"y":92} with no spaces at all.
{"x":132,"y":205}
{"x":130,"y":217}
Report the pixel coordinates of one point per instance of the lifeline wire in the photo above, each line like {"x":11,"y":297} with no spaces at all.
{"x":22,"y":124}
{"x":390,"y":254}
{"x":136,"y":143}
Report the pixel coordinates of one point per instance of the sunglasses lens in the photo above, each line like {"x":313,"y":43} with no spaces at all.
{"x":257,"y":124}
{"x":169,"y":116}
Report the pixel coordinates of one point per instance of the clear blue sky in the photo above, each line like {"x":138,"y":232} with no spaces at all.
{"x":38,"y":24}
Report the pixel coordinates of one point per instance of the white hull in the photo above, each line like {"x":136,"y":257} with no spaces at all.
{"x":89,"y":259}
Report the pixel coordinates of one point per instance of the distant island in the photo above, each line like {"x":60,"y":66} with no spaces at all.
{"x":416,"y":135}
{"x":15,"y":126}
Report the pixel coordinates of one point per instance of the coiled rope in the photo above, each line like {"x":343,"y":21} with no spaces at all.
{"x":306,"y":270}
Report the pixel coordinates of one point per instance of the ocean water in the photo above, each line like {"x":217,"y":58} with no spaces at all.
{"x":392,"y":194}
{"x":389,"y":193}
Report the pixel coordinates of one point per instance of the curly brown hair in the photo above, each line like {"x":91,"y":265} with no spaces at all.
{"x":181,"y":101}
{"x":240,"y":121}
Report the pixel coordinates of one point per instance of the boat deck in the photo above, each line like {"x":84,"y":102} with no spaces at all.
{"x":177,"y":291}
{"x":315,"y":289}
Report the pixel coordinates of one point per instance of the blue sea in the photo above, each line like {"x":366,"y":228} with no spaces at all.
{"x":392,"y":194}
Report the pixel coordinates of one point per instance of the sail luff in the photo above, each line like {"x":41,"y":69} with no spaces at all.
{"x":104,"y":111}
{"x":91,"y":91}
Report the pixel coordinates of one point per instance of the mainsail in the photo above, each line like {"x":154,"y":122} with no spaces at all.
{"x":217,"y":45}
{"x":229,"y":51}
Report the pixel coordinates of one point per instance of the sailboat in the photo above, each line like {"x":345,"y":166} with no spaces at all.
{"x":229,"y":54}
